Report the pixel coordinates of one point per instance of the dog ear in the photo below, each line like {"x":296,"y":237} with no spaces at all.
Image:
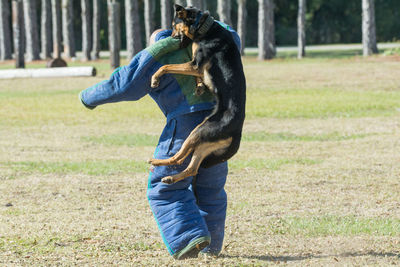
{"x":180,"y":11}
{"x":178,"y":8}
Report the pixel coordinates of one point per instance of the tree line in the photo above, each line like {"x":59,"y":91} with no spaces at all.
{"x":50,"y":27}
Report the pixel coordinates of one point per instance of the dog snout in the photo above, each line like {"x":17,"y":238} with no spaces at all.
{"x":175,"y":34}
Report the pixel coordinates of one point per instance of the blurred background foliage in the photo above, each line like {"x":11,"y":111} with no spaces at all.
{"x":327,"y":22}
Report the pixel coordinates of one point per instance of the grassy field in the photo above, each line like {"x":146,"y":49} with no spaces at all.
{"x":316,"y":181}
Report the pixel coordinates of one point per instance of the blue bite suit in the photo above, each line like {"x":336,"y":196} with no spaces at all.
{"x":182,"y":215}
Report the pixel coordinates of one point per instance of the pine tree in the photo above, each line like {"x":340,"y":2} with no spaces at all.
{"x":149,"y":7}
{"x":224,"y":11}
{"x":5,"y":30}
{"x":196,"y":3}
{"x":18,"y":33}
{"x":31,"y":30}
{"x":96,"y":30}
{"x":180,"y":2}
{"x":133,"y":34}
{"x":166,"y":16}
{"x":86,"y":29}
{"x":368,"y":28}
{"x":301,"y":29}
{"x":242,"y":18}
{"x":68,"y":28}
{"x":266,"y":30}
{"x":46,"y":33}
{"x":56,"y":21}
{"x":114,"y":29}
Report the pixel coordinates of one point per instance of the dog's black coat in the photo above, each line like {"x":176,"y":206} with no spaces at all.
{"x":217,"y":50}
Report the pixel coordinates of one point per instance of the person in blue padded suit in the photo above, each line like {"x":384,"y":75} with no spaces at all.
{"x":189,"y":216}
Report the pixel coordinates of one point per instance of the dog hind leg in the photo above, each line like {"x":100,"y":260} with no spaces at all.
{"x":200,"y":152}
{"x":187,"y":147}
{"x":178,"y":158}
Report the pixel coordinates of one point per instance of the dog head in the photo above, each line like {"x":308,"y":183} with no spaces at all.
{"x":187,"y":21}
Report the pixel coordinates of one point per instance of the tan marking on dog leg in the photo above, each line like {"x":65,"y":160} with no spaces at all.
{"x":200,"y":152}
{"x":177,"y":159}
{"x":207,"y":80}
{"x":184,"y":68}
{"x":187,"y":148}
{"x":195,"y":47}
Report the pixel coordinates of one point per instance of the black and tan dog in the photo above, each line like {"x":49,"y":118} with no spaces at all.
{"x":216,"y":64}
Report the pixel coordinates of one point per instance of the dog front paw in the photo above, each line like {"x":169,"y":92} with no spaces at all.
{"x":155,"y":81}
{"x":168,"y":180}
{"x":154,"y":162}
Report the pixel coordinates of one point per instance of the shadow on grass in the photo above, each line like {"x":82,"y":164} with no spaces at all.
{"x":312,"y":256}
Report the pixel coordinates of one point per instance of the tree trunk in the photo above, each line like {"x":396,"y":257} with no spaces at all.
{"x":166,"y":16}
{"x":46,"y":29}
{"x":266,"y":30}
{"x":56,"y":17}
{"x":31,"y":30}
{"x":133,"y":34}
{"x":271,"y":27}
{"x":301,"y":29}
{"x":242,"y":17}
{"x":68,"y":28}
{"x":262,"y":29}
{"x":96,"y":30}
{"x":204,"y":4}
{"x":180,"y":2}
{"x":196,"y":3}
{"x":149,"y":6}
{"x":368,"y":28}
{"x":224,"y":11}
{"x":86,"y":30}
{"x":18,"y":33}
{"x":114,"y":32}
{"x":5,"y":30}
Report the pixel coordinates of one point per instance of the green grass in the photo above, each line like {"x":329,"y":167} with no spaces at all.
{"x":331,"y":225}
{"x":53,"y":243}
{"x":314,"y":89}
{"x":137,"y":140}
{"x":332,"y":54}
{"x":279,"y":137}
{"x":64,"y":107}
{"x":114,"y":167}
{"x":328,"y":54}
{"x":321,"y":103}
{"x":100,"y":167}
{"x":130,"y":140}
{"x":50,"y":106}
{"x":268,"y":164}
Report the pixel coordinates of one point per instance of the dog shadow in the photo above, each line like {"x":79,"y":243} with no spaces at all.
{"x":283,"y":258}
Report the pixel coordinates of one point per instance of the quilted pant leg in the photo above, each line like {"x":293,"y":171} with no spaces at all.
{"x":212,"y":202}
{"x":175,"y":209}
{"x":174,"y":206}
